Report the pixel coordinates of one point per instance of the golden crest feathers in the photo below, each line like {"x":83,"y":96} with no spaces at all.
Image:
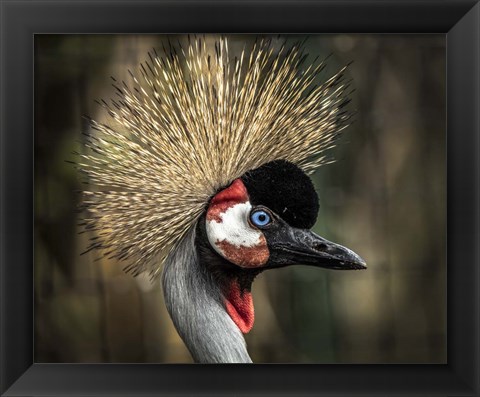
{"x":191,"y":120}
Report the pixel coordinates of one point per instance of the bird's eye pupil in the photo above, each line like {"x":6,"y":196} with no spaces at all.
{"x":260,"y":218}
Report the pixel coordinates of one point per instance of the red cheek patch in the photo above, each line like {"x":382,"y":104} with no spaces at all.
{"x":222,"y":201}
{"x":248,"y":257}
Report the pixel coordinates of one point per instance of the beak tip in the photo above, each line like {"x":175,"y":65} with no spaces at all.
{"x":357,"y":262}
{"x":360,"y":263}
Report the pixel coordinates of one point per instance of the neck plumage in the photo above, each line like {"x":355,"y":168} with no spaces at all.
{"x":196,"y":302}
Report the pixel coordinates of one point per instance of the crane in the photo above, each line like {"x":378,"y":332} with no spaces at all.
{"x":201,"y":176}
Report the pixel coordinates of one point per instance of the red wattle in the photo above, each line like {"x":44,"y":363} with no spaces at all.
{"x":239,"y":305}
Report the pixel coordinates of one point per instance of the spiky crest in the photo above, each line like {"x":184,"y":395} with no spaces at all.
{"x":190,"y":122}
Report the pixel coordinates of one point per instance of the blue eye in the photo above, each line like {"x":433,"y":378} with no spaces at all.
{"x":260,"y":218}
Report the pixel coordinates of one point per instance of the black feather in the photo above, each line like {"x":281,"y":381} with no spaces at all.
{"x":284,"y":188}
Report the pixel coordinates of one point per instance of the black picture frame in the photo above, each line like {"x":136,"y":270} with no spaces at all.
{"x":459,"y":20}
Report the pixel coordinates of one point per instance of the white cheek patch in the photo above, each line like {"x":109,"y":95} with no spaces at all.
{"x":231,"y":236}
{"x":233,"y":228}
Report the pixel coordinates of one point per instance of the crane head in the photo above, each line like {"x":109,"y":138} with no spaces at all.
{"x":262,"y":221}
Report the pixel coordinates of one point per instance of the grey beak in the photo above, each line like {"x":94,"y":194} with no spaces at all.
{"x":290,"y":246}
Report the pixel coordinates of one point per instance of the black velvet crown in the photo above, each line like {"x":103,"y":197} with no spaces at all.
{"x":284,"y":188}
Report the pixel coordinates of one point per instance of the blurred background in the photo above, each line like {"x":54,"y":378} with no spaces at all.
{"x":384,"y":197}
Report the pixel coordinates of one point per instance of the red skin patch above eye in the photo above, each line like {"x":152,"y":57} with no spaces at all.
{"x":239,"y":306}
{"x":222,"y":201}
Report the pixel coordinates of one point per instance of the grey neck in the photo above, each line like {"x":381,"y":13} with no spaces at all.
{"x":195,"y":303}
